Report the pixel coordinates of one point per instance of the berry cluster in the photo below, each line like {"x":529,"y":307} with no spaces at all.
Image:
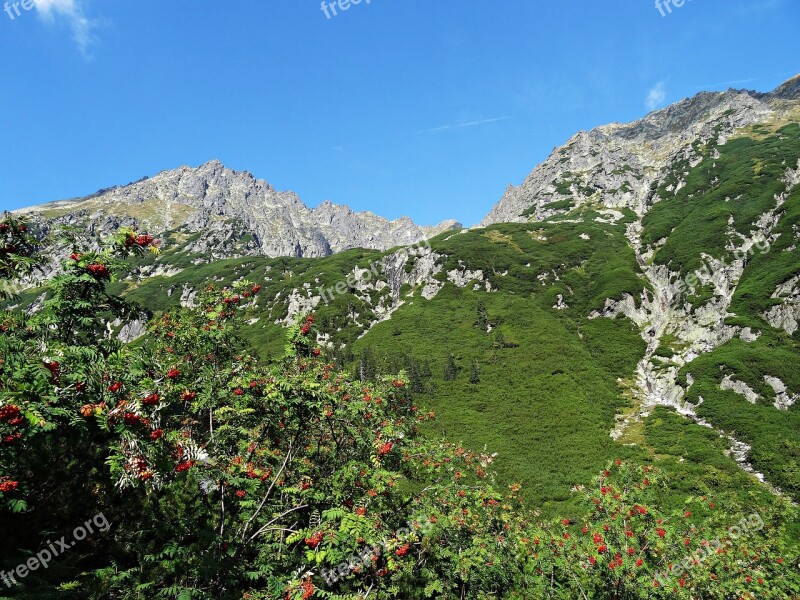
{"x":315,"y":540}
{"x":307,"y":325}
{"x":99,"y":271}
{"x":88,"y":410}
{"x":6,"y":485}
{"x":142,"y":241}
{"x":184,"y":466}
{"x":11,"y":416}
{"x":55,"y":370}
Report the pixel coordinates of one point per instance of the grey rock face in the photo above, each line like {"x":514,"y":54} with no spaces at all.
{"x":615,"y":166}
{"x":783,"y":399}
{"x":786,"y":315}
{"x":234,"y":214}
{"x":789,"y":90}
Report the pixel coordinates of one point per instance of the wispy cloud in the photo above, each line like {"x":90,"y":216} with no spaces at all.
{"x":731,"y":82}
{"x":656,"y":96}
{"x":466,"y":124}
{"x":753,"y":6}
{"x":707,"y":87}
{"x":73,"y":12}
{"x":704,"y":87}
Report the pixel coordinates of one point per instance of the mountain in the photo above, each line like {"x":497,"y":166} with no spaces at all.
{"x":638,"y":296}
{"x":707,"y":191}
{"x":616,"y":166}
{"x":231,"y":213}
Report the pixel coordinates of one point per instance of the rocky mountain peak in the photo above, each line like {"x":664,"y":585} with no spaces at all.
{"x":230,"y":213}
{"x":615,"y":166}
{"x":789,"y":90}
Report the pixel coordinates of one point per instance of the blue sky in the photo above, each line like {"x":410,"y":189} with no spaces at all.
{"x":425,"y":108}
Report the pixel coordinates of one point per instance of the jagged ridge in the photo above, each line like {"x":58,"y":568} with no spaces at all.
{"x":235,"y":215}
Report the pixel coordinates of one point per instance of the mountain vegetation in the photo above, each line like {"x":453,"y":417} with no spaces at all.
{"x":591,"y":395}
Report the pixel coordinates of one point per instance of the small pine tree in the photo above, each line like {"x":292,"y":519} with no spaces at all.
{"x":450,"y":369}
{"x":483,"y":319}
{"x":367,"y":366}
{"x":475,"y":376}
{"x":425,"y":370}
{"x":415,"y":377}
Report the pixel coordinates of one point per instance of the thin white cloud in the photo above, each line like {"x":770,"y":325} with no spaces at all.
{"x":707,"y":86}
{"x":739,"y":81}
{"x":73,"y":12}
{"x":467,"y":124}
{"x":656,"y":96}
{"x":754,"y":6}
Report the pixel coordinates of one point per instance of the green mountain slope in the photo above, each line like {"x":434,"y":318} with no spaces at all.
{"x":748,"y":181}
{"x":536,"y":379}
{"x":644,"y":302}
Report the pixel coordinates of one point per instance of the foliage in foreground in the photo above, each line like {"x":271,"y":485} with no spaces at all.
{"x":223,"y":478}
